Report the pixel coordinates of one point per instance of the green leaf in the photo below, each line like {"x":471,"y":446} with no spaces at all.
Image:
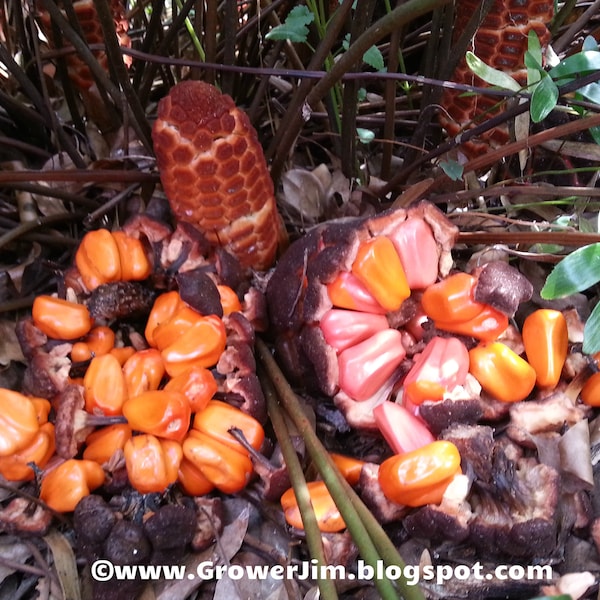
{"x":374,"y":58}
{"x":574,"y":273}
{"x":591,"y":332}
{"x":490,"y":75}
{"x":589,"y":43}
{"x":295,"y":26}
{"x":534,"y":48}
{"x":371,"y":57}
{"x":365,"y":135}
{"x":595,"y":131}
{"x":452,"y":168}
{"x":587,"y":225}
{"x":534,"y":69}
{"x":564,"y":221}
{"x":546,"y":248}
{"x":590,"y":92}
{"x":576,"y":65}
{"x":543,"y":99}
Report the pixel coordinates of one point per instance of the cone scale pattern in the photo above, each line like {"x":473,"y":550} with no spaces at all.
{"x":500,"y":42}
{"x":214,"y":173}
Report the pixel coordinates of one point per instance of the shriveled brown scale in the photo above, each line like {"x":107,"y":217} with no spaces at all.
{"x":247,"y":389}
{"x":121,"y":299}
{"x":237,"y":358}
{"x":30,"y":338}
{"x":442,"y":414}
{"x":21,"y":516}
{"x":502,"y":286}
{"x":198,"y":290}
{"x":339,"y":549}
{"x":529,"y":528}
{"x":148,"y":226}
{"x":550,"y":414}
{"x":209,"y":522}
{"x":383,"y":509}
{"x":444,"y":522}
{"x":214,"y":173}
{"x":475,"y":444}
{"x":47,"y":371}
{"x":273,"y":473}
{"x":70,"y":431}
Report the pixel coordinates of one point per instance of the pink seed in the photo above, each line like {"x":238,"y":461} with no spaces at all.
{"x":402,"y":430}
{"x":345,"y":328}
{"x":365,"y":367}
{"x":418,"y":251}
{"x":444,"y":361}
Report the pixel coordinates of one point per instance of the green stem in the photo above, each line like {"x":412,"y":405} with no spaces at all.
{"x":309,"y":520}
{"x":371,"y":540}
{"x":292,"y":123}
{"x":192,"y":34}
{"x":297,"y":102}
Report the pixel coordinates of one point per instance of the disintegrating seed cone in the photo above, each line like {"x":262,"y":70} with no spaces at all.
{"x":501,"y":43}
{"x":88,"y":22}
{"x":214,"y":173}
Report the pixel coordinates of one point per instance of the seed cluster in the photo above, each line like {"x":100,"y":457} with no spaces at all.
{"x":143,"y":402}
{"x":379,"y":326}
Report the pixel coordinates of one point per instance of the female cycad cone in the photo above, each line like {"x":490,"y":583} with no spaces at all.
{"x":501,"y":42}
{"x":89,"y":23}
{"x":214,"y":173}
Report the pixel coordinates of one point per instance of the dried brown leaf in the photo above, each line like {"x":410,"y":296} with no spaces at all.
{"x":309,"y":195}
{"x":305,"y":193}
{"x":13,"y":551}
{"x":228,"y":588}
{"x":64,"y":564}
{"x":575,"y":455}
{"x":9,"y":346}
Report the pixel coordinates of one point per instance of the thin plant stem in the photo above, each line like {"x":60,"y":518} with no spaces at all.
{"x":169,"y":38}
{"x":113,"y":51}
{"x":291,"y":125}
{"x":98,"y":72}
{"x":362,"y":17}
{"x":36,"y":98}
{"x":283,"y":139}
{"x":190,"y":29}
{"x":367,"y":533}
{"x":309,"y":519}
{"x":41,"y":222}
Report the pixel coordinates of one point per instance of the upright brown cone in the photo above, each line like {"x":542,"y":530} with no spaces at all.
{"x":214,"y":173}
